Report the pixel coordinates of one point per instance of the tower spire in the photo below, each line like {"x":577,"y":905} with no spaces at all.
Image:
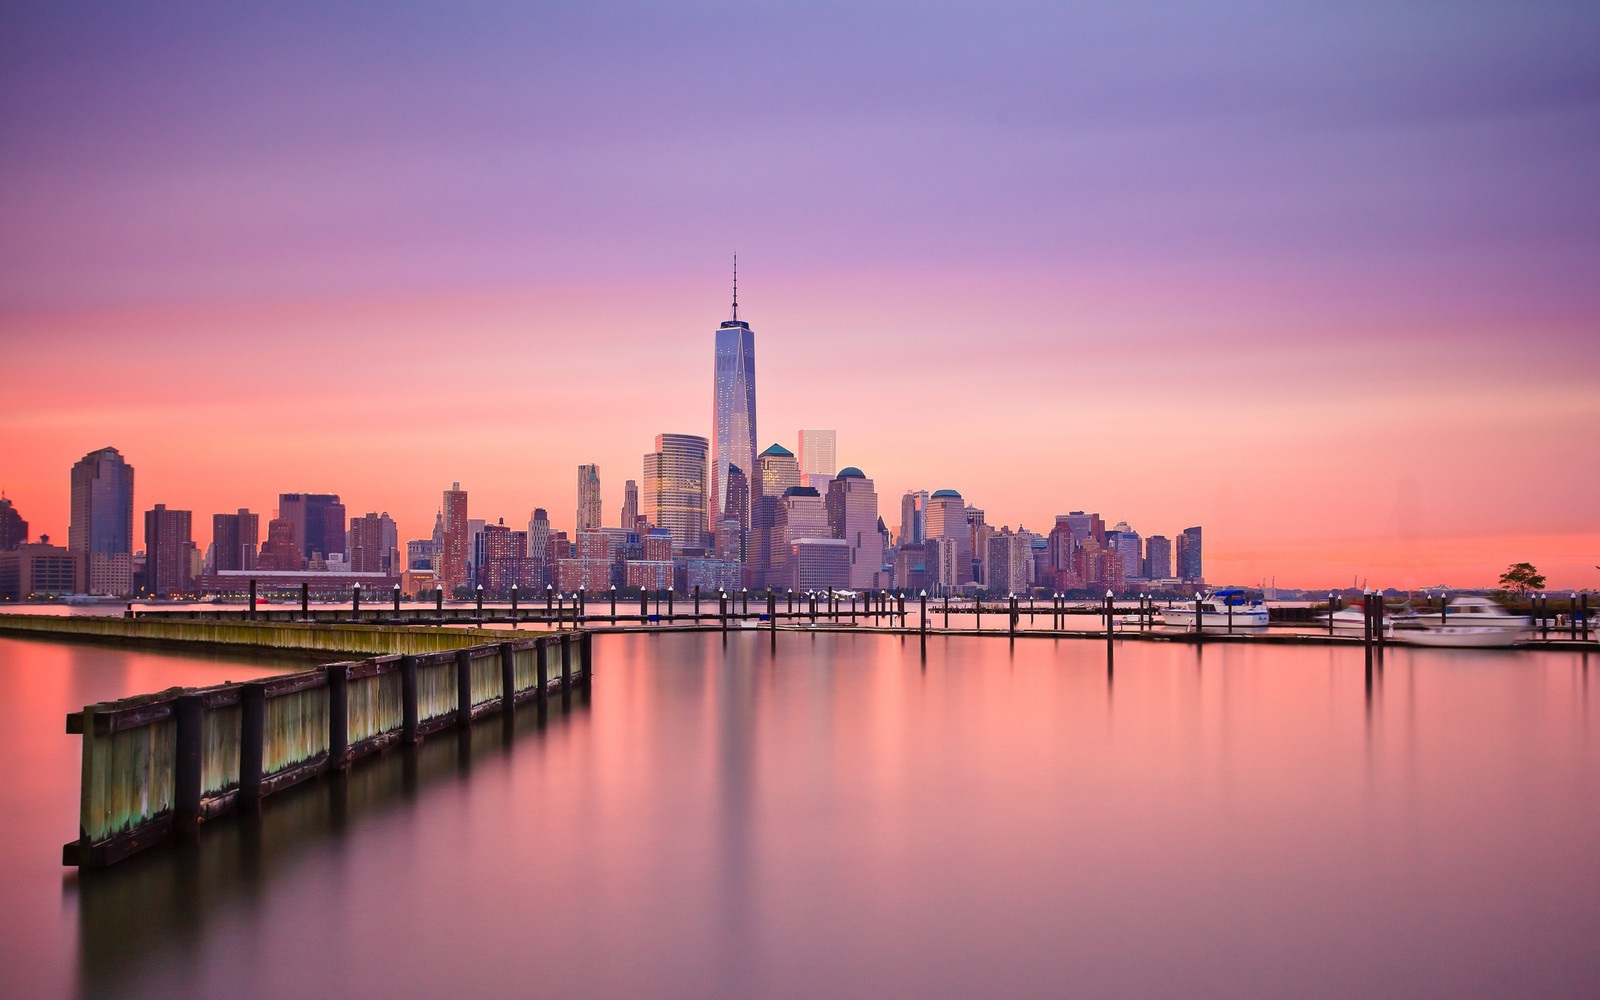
{"x":736,"y":285}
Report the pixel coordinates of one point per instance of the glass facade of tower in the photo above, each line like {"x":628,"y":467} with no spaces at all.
{"x":733,"y":436}
{"x":675,"y":488}
{"x":101,"y":529}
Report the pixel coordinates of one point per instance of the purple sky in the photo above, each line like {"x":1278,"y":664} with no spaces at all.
{"x":1381,"y":212}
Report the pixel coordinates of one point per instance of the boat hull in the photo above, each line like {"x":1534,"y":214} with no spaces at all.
{"x":1461,"y":636}
{"x":1184,"y":618}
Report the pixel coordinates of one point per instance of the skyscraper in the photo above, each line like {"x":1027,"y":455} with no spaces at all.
{"x":630,"y":504}
{"x":853,"y":516}
{"x":733,"y":424}
{"x":949,"y":538}
{"x":318,"y":520}
{"x":776,"y":472}
{"x":372,"y":544}
{"x":913,"y":514}
{"x":168,"y":551}
{"x":736,"y":503}
{"x":589,"y":517}
{"x":1158,"y":557}
{"x":818,"y":457}
{"x":234,"y":538}
{"x":457,"y":539}
{"x":1190,"y":568}
{"x":13,"y":529}
{"x":675,"y":488}
{"x":101,"y":530}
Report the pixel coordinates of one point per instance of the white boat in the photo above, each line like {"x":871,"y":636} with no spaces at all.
{"x":1219,"y":609}
{"x":1468,"y":610}
{"x":1354,"y":619}
{"x":1461,"y":636}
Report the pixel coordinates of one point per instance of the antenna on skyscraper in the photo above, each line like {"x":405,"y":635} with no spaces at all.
{"x":736,"y":285}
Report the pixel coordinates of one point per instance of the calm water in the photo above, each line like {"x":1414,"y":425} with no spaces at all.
{"x":846,"y":820}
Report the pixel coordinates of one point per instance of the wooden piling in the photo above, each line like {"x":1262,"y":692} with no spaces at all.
{"x":252,"y":600}
{"x":508,"y":678}
{"x":408,"y":701}
{"x":252,"y":743}
{"x":187,"y":712}
{"x":566,"y":662}
{"x":338,"y":716}
{"x":463,"y":687}
{"x":541,"y":667}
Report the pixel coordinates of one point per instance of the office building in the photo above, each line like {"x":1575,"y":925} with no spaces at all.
{"x":319,"y":520}
{"x":13,"y":529}
{"x":589,"y":498}
{"x":818,"y":458}
{"x":1126,"y":543}
{"x":733,"y":431}
{"x":1157,"y":557}
{"x":372,"y":544}
{"x":1190,"y":568}
{"x":169,"y":552}
{"x":913,"y":518}
{"x":675,"y":488}
{"x":235,"y":539}
{"x":101,"y":530}
{"x":455,"y":548}
{"x":630,"y":505}
{"x":853,"y":516}
{"x":800,"y":513}
{"x":38,"y":569}
{"x":949,"y":565}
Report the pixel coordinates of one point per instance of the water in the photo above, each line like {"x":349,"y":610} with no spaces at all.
{"x":846,"y":820}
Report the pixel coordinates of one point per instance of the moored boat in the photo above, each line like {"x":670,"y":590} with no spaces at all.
{"x":1220,"y":609}
{"x":1461,"y":636}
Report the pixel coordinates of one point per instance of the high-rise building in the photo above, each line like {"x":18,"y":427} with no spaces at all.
{"x":913,"y":517}
{"x":736,"y":503}
{"x":733,"y":424}
{"x":539,"y":543}
{"x":779,"y":470}
{"x":234,"y":540}
{"x":675,"y":488}
{"x":1190,"y":568}
{"x":279,"y":552}
{"x":372,"y":544}
{"x":819,"y":451}
{"x":630,"y":504}
{"x":947,"y":525}
{"x":589,"y":517}
{"x":1158,"y":557}
{"x":1123,"y":540}
{"x":453,"y":554}
{"x":168,"y":551}
{"x":13,"y":529}
{"x":800,"y":513}
{"x":1085,"y":526}
{"x":505,"y":562}
{"x":319,"y":520}
{"x":101,"y":530}
{"x":853,"y":516}
{"x":1008,"y":567}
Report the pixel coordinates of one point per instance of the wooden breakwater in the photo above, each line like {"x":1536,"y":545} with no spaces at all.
{"x":159,"y":765}
{"x":326,"y":637}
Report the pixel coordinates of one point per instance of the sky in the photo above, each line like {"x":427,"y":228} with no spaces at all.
{"x":1322,"y":278}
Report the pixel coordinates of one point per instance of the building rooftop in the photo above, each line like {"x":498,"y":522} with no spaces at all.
{"x":778,"y":449}
{"x":946,"y":493}
{"x":850,"y":472}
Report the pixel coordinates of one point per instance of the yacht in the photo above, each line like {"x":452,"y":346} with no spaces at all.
{"x":1467,"y":622}
{"x":1219,"y":609}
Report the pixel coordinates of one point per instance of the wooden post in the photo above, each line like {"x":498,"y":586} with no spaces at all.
{"x":1199,"y":619}
{"x":548,"y":613}
{"x":977,"y":613}
{"x":1229,"y":599}
{"x":355,"y":602}
{"x":252,"y":743}
{"x":338,"y":716}
{"x":644,"y":604}
{"x":772,"y":618}
{"x":541,"y":667}
{"x":671,"y":593}
{"x":463,"y":687}
{"x":923,"y":614}
{"x":305,"y":599}
{"x":744,"y":601}
{"x":1572,"y":615}
{"x":513,"y":602}
{"x":566,"y":662}
{"x":613,"y":604}
{"x":1012,"y":611}
{"x":408,"y":700}
{"x":438,"y":600}
{"x":508,"y":678}
{"x":722,"y":610}
{"x":479,"y":592}
{"x":1110,"y":619}
{"x":187,"y":712}
{"x":397,"y":600}
{"x":1331,"y":610}
{"x":586,"y":644}
{"x":252,"y":600}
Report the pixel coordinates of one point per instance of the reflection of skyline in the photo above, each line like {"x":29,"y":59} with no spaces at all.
{"x":1077,"y":240}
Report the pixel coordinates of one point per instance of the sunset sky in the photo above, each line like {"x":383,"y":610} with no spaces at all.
{"x":1324,"y":282}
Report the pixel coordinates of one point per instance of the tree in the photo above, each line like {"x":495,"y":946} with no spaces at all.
{"x":1521,"y":577}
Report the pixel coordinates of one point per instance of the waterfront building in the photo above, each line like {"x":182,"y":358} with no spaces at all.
{"x":505,"y":561}
{"x":101,"y":529}
{"x":816,"y":564}
{"x":733,"y":425}
{"x":589,"y":568}
{"x":1086,"y":526}
{"x":910,"y":567}
{"x":800,"y":513}
{"x":588,"y":498}
{"x":169,"y":551}
{"x":539,"y":544}
{"x":818,"y":458}
{"x":653,"y":571}
{"x":38,"y":569}
{"x":630,"y":505}
{"x":947,"y":519}
{"x":372,"y":544}
{"x":1008,"y":565}
{"x":736,"y":503}
{"x":235,"y":539}
{"x":852,"y":505}
{"x":334,"y":583}
{"x":13,"y":529}
{"x":1157,"y":557}
{"x":675,"y":488}
{"x":942,"y":561}
{"x":779,"y":470}
{"x":1190,"y":568}
{"x":711,"y":575}
{"x":318,"y":520}
{"x":420,"y":555}
{"x":455,"y":544}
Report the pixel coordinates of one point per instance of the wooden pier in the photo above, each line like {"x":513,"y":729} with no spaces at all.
{"x":158,"y":766}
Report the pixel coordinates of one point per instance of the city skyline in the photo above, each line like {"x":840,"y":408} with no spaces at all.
{"x":1039,"y":280}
